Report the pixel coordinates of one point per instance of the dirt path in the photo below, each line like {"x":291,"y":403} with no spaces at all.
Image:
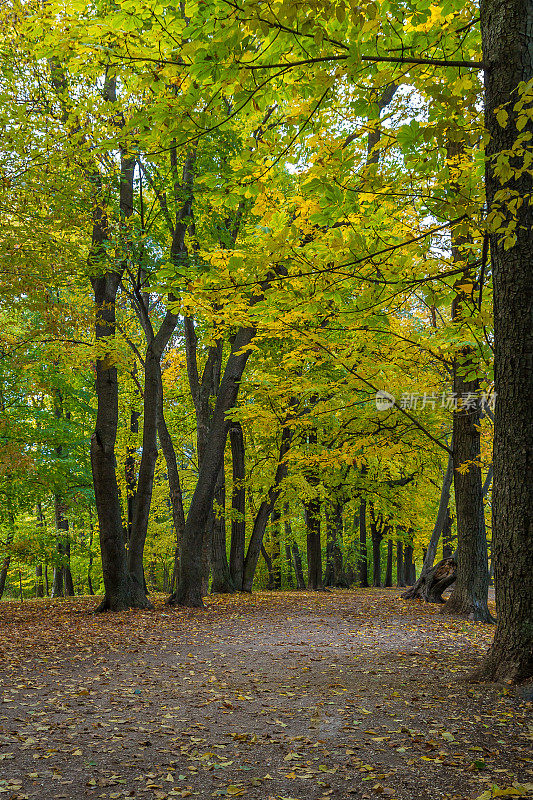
{"x":353,"y":694}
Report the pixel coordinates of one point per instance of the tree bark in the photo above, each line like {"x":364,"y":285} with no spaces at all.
{"x":507,"y":37}
{"x":238,"y":504}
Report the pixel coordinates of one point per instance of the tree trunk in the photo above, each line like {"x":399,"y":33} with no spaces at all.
{"x":408,"y":565}
{"x":275,"y":538}
{"x":400,"y":574}
{"x":268,"y":562}
{"x":388,"y":571}
{"x":238,"y":505}
{"x":120,"y":590}
{"x":507,"y":36}
{"x":314,"y":547}
{"x":298,"y":569}
{"x":221,"y":578}
{"x":7,"y":557}
{"x":295,"y":552}
{"x":189,"y":591}
{"x":129,"y":468}
{"x":333,"y":575}
{"x":470,"y":593}
{"x":39,"y":586}
{"x":288,"y":562}
{"x":176,"y":497}
{"x":433,"y":582}
{"x":377,"y":536}
{"x":265,"y":509}
{"x":152,"y":403}
{"x":363,"y":554}
{"x":447,"y":537}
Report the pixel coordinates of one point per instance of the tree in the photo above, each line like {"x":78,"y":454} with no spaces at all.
{"x":507,"y":37}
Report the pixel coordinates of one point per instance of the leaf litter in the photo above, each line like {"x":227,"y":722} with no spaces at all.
{"x":277,"y":696}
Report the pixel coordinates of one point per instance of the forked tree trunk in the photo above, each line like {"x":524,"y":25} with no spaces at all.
{"x":507,"y":36}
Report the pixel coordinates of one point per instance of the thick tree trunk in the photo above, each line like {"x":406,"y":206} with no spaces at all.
{"x":221,"y":578}
{"x":470,"y":593}
{"x":189,"y":591}
{"x":388,"y":571}
{"x":363,"y":553}
{"x":238,"y":505}
{"x":400,"y":574}
{"x":507,"y":36}
{"x":265,"y":509}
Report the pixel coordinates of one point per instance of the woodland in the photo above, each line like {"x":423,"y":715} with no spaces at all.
{"x":266,"y":357}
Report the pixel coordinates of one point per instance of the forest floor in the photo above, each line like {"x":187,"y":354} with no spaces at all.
{"x":286,"y":696}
